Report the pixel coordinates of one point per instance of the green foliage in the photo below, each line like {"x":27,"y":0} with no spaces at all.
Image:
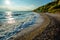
{"x":50,"y":7}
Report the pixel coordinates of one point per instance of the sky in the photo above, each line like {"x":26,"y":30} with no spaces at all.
{"x":22,"y":5}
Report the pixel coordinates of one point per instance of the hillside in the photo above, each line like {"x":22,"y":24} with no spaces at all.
{"x":50,"y":7}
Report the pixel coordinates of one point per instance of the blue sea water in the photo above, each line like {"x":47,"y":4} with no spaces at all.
{"x":13,"y":22}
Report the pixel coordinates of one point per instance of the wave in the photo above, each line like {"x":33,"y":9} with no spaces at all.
{"x":21,"y":21}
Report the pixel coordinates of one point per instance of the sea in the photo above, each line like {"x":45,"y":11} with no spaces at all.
{"x":12,"y":22}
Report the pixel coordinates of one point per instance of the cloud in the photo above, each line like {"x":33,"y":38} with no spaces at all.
{"x":19,"y":8}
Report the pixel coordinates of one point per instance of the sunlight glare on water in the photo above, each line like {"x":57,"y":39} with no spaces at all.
{"x":10,"y":19}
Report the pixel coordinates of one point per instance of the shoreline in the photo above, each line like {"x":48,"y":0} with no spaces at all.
{"x":30,"y":32}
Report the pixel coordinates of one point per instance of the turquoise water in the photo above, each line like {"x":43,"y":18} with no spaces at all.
{"x":13,"y":22}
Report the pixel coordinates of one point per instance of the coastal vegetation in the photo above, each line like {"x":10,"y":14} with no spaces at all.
{"x":51,"y":7}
